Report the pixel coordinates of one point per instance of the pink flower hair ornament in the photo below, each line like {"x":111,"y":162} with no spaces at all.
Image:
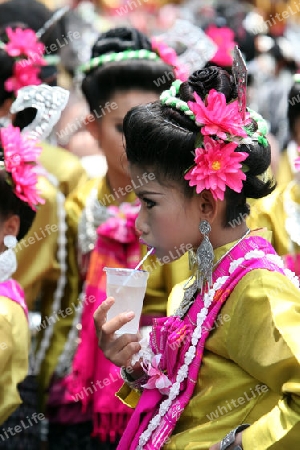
{"x":20,"y":156}
{"x":217,"y":166}
{"x":221,"y":130}
{"x":28,"y":53}
{"x":216,"y":117}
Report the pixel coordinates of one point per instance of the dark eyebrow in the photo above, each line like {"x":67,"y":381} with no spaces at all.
{"x":142,"y":193}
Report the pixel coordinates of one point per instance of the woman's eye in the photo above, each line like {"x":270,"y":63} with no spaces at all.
{"x":119,"y":127}
{"x":149,"y":203}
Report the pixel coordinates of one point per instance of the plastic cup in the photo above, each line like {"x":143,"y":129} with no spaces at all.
{"x":128,"y":287}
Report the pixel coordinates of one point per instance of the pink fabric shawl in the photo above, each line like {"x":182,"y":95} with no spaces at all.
{"x":94,"y":377}
{"x":171,"y":337}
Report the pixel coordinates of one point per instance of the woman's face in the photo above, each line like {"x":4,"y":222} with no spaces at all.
{"x":167,"y":220}
{"x":110,"y":125}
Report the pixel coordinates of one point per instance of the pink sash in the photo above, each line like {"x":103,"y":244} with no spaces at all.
{"x":171,"y":337}
{"x":94,"y":380}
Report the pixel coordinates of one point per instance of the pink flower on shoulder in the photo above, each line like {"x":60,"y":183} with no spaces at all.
{"x":157,"y":378}
{"x":217,"y":166}
{"x":216,"y":117}
{"x":24,"y":42}
{"x":24,"y":74}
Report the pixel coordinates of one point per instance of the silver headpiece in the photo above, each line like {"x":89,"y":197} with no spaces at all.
{"x":49,"y":101}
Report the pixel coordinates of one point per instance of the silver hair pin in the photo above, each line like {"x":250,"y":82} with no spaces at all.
{"x":239,"y":71}
{"x":53,"y":19}
{"x":49,"y":101}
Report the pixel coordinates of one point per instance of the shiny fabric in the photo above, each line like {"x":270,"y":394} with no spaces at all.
{"x":269,"y":212}
{"x":14,"y":348}
{"x":65,"y":166}
{"x":250,"y":370}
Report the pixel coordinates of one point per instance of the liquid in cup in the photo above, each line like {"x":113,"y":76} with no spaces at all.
{"x":128,"y":287}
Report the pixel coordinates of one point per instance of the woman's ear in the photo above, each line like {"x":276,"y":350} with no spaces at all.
{"x":208,"y":206}
{"x":93,"y":128}
{"x":5,"y":107}
{"x":12,"y":225}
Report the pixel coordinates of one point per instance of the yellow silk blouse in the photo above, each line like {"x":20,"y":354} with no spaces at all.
{"x":14,"y":347}
{"x":250,"y":371}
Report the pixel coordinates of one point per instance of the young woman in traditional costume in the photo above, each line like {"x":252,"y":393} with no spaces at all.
{"x":223,"y":370}
{"x":19,"y":199}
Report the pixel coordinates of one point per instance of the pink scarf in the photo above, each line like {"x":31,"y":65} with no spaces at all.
{"x":12,"y":290}
{"x":171,"y":337}
{"x":94,"y":377}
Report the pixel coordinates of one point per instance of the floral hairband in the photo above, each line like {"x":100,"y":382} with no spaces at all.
{"x":222,"y":130}
{"x":28,"y":53}
{"x":20,"y":155}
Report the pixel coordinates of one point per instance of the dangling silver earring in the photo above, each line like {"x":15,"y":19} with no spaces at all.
{"x":8,"y":260}
{"x":204,"y":257}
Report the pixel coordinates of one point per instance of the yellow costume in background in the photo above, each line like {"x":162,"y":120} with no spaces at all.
{"x":286,"y":170}
{"x":250,"y":371}
{"x":39,"y":246}
{"x":39,"y":268}
{"x":14,"y":347}
{"x":65,"y":166}
{"x":272,"y":213}
{"x":160,"y":283}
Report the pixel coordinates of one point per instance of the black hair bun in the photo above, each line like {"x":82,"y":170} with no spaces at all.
{"x":212,"y":77}
{"x":120,"y":39}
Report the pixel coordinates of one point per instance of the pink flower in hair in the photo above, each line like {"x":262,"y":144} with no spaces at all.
{"x":224,"y":38}
{"x":24,"y":74}
{"x":20,"y":159}
{"x":217,"y":166}
{"x":24,"y":43}
{"x":216,"y":117}
{"x":169,"y":56}
{"x":18,"y":150}
{"x":25,"y":178}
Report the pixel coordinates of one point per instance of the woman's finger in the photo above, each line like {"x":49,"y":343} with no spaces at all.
{"x":100,"y":316}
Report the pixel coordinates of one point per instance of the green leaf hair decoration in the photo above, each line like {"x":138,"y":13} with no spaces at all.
{"x":119,"y":56}
{"x":169,"y":98}
{"x":260,"y":134}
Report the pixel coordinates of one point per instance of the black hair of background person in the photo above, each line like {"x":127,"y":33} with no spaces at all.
{"x":293,"y":107}
{"x":11,"y":204}
{"x":33,"y":14}
{"x":101,"y":83}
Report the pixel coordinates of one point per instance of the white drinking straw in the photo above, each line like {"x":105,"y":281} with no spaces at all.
{"x":136,"y":268}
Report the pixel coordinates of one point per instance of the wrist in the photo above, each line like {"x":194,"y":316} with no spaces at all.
{"x":233,"y":440}
{"x":132,"y":381}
